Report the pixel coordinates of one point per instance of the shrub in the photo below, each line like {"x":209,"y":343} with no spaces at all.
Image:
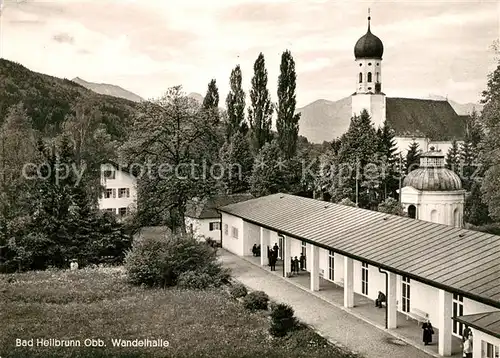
{"x":202,"y":279}
{"x":282,"y":320}
{"x":256,"y":300}
{"x":160,"y":261}
{"x":238,"y":290}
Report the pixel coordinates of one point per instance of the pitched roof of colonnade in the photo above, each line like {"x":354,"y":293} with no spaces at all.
{"x":462,"y":261}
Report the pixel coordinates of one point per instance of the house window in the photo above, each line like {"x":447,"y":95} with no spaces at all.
{"x":215,"y":225}
{"x":364,"y":278}
{"x":458,"y":310}
{"x":331,"y":265}
{"x":405,"y":294}
{"x":122,"y":211}
{"x":109,"y":174}
{"x":360,"y":77}
{"x":110,"y":210}
{"x":369,"y":63}
{"x":235,"y":232}
{"x":492,"y":351}
{"x":412,"y":211}
{"x":124,"y":193}
{"x":226,"y":229}
{"x":369,"y":76}
{"x":378,"y":77}
{"x":110,"y":193}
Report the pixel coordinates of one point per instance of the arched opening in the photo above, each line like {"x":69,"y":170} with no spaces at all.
{"x":369,"y":76}
{"x":360,"y":77}
{"x":434,"y":215}
{"x":412,"y":212}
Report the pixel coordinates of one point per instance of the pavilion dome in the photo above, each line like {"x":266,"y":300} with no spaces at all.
{"x":432,"y":175}
{"x":369,"y":46}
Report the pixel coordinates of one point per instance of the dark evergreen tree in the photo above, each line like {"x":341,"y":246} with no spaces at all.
{"x":412,"y":161}
{"x":453,"y":157}
{"x":237,"y":161}
{"x":287,"y":123}
{"x":387,"y":148}
{"x":235,"y":103}
{"x":358,"y":163}
{"x":467,"y":163}
{"x":476,"y":211}
{"x":261,"y":110}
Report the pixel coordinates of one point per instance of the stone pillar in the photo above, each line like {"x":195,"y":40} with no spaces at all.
{"x":286,"y":255}
{"x":477,"y":346}
{"x":265,"y":241}
{"x":314,"y":268}
{"x":348,"y":282}
{"x":392,"y":306}
{"x":445,"y":324}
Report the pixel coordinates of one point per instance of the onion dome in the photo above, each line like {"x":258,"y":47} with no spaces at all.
{"x":432,"y":175}
{"x":369,"y":46}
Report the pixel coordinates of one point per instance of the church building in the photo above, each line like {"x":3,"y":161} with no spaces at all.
{"x":428,"y":122}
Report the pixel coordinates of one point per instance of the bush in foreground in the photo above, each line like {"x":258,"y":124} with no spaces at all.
{"x":282,"y":320}
{"x":162,"y":261}
{"x":256,"y":300}
{"x":238,"y":290}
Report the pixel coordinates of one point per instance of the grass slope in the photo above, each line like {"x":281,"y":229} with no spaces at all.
{"x":99,"y":304}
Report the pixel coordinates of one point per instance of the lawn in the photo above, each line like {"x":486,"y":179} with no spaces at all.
{"x":99,"y":304}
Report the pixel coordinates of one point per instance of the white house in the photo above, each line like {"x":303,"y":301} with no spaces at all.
{"x":120,"y":190}
{"x":425,"y":121}
{"x":427,"y":270}
{"x":202,"y":217}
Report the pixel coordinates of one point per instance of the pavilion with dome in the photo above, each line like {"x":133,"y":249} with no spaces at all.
{"x":428,"y":266}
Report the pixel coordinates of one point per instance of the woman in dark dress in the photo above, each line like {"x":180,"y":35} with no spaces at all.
{"x":428,"y":332}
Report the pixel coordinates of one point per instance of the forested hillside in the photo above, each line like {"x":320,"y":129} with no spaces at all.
{"x":49,"y":100}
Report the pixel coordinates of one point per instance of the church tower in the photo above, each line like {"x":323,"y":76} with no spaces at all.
{"x":368,"y":52}
{"x":434,"y":193}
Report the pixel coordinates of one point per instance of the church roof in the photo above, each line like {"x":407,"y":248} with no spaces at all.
{"x":436,"y":120}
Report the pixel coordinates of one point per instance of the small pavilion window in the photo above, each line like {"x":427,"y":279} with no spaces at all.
{"x":369,"y":76}
{"x":378,"y":77}
{"x":360,"y":77}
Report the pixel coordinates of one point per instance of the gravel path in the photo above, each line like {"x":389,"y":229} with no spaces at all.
{"x":335,"y":324}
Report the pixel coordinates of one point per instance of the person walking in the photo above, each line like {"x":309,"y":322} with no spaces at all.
{"x":427,"y":333}
{"x":272,"y":260}
{"x":466,"y":333}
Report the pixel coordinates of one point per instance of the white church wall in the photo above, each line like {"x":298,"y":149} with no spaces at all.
{"x":403,"y":144}
{"x":443,"y":146}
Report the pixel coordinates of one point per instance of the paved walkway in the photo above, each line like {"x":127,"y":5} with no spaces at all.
{"x":335,"y":324}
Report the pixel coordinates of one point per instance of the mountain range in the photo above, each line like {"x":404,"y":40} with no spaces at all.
{"x":321,"y":120}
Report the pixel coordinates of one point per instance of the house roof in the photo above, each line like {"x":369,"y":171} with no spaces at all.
{"x":207,"y":208}
{"x":488,"y":322}
{"x":122,"y":168}
{"x":457,"y":260}
{"x":434,"y":119}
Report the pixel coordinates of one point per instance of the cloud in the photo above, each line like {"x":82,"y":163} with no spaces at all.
{"x":63,"y":38}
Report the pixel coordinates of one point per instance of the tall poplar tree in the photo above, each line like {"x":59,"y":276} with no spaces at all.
{"x":287,"y":123}
{"x":211,"y":99}
{"x":261,"y":110}
{"x":235,"y":103}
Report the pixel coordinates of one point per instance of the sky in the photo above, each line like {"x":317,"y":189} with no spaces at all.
{"x":146,"y":46}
